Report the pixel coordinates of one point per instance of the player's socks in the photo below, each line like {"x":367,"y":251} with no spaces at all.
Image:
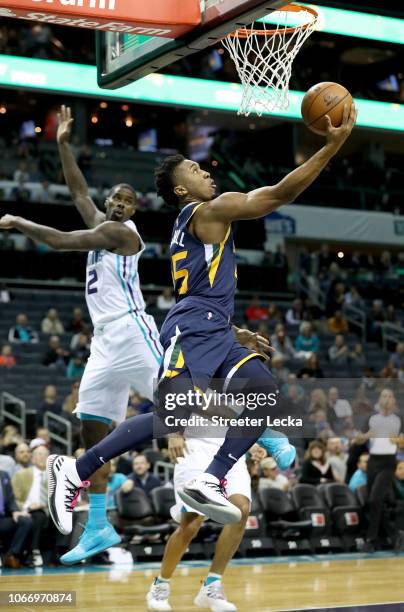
{"x":125,"y":437}
{"x":212,"y":577}
{"x":159,"y":580}
{"x":97,"y":513}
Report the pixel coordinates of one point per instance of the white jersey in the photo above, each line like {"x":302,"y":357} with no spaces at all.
{"x":112,"y":284}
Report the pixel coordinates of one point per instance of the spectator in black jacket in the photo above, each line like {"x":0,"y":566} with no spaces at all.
{"x":141,"y":477}
{"x":55,"y":356}
{"x":15,"y":526}
{"x":21,"y":331}
{"x":315,"y":468}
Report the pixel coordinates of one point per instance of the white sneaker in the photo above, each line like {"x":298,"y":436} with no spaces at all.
{"x":157,"y":597}
{"x":205,"y":494}
{"x":213,"y":598}
{"x":64,"y":485}
{"x":37,"y":558}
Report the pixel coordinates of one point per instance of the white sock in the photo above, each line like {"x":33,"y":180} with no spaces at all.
{"x":160,"y":579}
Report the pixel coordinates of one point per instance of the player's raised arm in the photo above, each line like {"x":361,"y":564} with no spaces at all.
{"x":111,"y":236}
{"x":74,"y":177}
{"x":260,"y":202}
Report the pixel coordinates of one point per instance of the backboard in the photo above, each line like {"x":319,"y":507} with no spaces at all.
{"x":124,"y":58}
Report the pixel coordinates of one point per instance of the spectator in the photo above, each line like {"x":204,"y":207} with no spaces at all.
{"x":307,"y":341}
{"x":166,"y":299}
{"x":273,"y":312}
{"x":282,"y":343}
{"x":324,"y":259}
{"x":22,"y":455}
{"x":359,"y":478}
{"x":338,"y":323}
{"x":256,"y":311}
{"x":20,"y":193}
{"x":81,"y":343}
{"x":7,"y":464}
{"x":311,"y":368}
{"x":21,"y":173}
{"x":315,"y":468}
{"x":294,"y":393}
{"x":75,"y":367}
{"x":318,"y":401}
{"x":353,"y":298}
{"x":48,"y":404}
{"x":271,"y":478}
{"x":321,"y":424}
{"x":397,"y":358}
{"x":339,"y":408}
{"x":141,"y":477}
{"x":339,"y":351}
{"x":278,"y":368}
{"x":55,"y":356}
{"x":10,"y":437}
{"x":15,"y":527}
{"x":335,"y":298}
{"x":399,"y":480}
{"x":71,"y":400}
{"x":30,"y":488}
{"x":4,"y":295}
{"x":43,"y":434}
{"x":77,"y":323}
{"x":337,"y":458}
{"x":391,"y":315}
{"x":22,"y":332}
{"x":82,"y":347}
{"x":294,"y":315}
{"x":375,"y":320}
{"x":357,"y":356}
{"x":51,"y":324}
{"x":44,"y":194}
{"x":388,"y":371}
{"x":7,"y":359}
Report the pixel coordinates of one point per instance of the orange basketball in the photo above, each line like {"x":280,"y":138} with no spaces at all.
{"x":321,"y":100}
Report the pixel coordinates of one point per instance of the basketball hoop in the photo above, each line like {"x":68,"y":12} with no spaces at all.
{"x":264,"y":57}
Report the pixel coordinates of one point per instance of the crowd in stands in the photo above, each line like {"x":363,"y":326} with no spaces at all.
{"x":325,"y":457}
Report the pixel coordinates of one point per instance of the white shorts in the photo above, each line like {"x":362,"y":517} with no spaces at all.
{"x":200,"y":452}
{"x":125,"y":354}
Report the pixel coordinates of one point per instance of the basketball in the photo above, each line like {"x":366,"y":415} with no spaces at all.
{"x":324,"y":99}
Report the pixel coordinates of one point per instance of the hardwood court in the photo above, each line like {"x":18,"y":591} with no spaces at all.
{"x":261,"y":587}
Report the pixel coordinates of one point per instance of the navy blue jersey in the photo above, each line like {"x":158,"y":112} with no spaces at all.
{"x":206,"y":271}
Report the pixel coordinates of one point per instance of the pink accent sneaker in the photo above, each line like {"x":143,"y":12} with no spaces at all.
{"x":64,"y":486}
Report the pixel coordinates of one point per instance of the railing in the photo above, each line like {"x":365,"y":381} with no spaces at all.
{"x":19,"y":419}
{"x":310,"y":288}
{"x":356,"y":317}
{"x":164,"y":470}
{"x":67,"y":440}
{"x":391,"y":333}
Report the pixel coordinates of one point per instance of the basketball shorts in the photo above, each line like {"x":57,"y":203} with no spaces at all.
{"x":200,"y":452}
{"x":125,"y":353}
{"x":199,"y":341}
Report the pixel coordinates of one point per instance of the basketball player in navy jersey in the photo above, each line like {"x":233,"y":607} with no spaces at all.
{"x":197,"y":336}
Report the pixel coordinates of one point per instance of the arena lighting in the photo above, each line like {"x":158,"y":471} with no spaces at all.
{"x":78,"y":79}
{"x":353,"y":23}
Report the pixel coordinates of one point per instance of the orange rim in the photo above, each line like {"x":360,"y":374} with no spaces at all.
{"x":290,"y":8}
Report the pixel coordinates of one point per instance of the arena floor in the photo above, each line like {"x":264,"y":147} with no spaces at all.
{"x":360,"y":583}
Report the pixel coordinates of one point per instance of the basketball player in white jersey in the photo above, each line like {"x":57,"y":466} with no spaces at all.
{"x":125,"y":349}
{"x":192,"y":456}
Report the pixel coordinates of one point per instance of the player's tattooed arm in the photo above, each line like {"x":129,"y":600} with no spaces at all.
{"x":74,"y":177}
{"x":111,"y":236}
{"x":261,"y":202}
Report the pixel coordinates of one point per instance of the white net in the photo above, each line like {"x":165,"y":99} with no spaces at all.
{"x":263,"y":54}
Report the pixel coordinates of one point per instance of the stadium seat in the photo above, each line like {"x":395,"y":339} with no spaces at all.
{"x":344,"y":507}
{"x":311,"y":506}
{"x":281,"y":513}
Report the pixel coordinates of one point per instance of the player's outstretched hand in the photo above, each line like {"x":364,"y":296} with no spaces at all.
{"x":176,"y":447}
{"x":254,"y":341}
{"x":7,"y":222}
{"x":65,"y":122}
{"x":336,"y":136}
